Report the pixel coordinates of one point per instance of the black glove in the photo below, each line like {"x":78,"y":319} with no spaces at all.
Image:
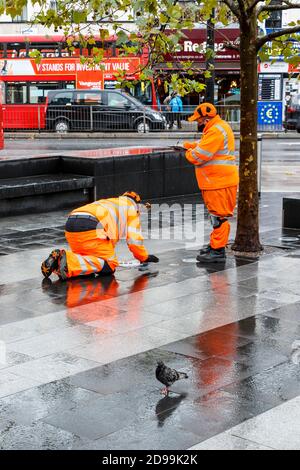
{"x":152,"y":259}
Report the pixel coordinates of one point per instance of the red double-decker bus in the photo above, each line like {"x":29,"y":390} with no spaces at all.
{"x":27,"y":82}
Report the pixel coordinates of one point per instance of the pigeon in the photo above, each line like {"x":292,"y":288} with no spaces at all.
{"x":168,"y":376}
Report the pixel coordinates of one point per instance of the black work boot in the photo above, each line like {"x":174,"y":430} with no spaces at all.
{"x":213,"y":256}
{"x":51,"y":263}
{"x":206,"y":249}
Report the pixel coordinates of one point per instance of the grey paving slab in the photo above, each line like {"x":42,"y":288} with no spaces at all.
{"x":53,"y":367}
{"x":33,"y":327}
{"x":226,"y":441}
{"x":269,"y":388}
{"x":57,"y":341}
{"x":289,"y":312}
{"x":119,"y":346}
{"x":38,"y":436}
{"x":278,"y":428}
{"x":29,"y":406}
{"x":93,"y":420}
{"x":11,"y":383}
{"x":8,"y":358}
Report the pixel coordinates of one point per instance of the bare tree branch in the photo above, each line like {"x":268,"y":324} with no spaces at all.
{"x":276,"y":34}
{"x":286,"y":5}
{"x":254,"y":4}
{"x":233,"y":7}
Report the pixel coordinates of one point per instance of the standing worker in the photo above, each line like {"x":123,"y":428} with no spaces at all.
{"x":93,"y":231}
{"x":217,"y":176}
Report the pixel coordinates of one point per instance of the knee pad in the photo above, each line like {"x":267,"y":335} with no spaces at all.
{"x":216,"y":221}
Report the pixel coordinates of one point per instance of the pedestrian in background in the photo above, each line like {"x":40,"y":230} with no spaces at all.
{"x":176,"y":110}
{"x":217,"y":176}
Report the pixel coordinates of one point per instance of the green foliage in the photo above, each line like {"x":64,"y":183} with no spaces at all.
{"x":36,"y":55}
{"x":152,"y":19}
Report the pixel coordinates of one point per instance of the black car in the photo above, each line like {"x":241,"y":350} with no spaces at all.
{"x":99,"y":110}
{"x":292,"y":116}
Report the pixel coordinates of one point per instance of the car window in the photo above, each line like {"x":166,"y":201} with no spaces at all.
{"x":89,"y":98}
{"x":117,"y":100}
{"x":62,"y":98}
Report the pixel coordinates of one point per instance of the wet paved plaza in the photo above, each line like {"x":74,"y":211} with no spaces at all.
{"x":78,"y":359}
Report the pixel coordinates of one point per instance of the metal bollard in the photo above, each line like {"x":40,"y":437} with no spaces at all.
{"x":259,"y":162}
{"x":1,"y":128}
{"x":91,"y":118}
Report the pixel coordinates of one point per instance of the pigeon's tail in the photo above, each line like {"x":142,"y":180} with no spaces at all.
{"x":183,"y":375}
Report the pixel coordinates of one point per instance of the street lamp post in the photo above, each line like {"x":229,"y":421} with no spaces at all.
{"x":210,"y":61}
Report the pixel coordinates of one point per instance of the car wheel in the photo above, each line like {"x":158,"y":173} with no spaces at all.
{"x":298,"y":130}
{"x":143,"y":127}
{"x":61,"y":126}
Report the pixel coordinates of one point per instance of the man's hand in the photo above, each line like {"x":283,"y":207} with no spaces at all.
{"x":189,"y":145}
{"x":152,"y":259}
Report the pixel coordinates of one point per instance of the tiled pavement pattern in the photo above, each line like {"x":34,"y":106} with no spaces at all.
{"x":78,"y":372}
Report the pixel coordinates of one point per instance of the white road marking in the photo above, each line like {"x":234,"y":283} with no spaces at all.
{"x":289,"y":143}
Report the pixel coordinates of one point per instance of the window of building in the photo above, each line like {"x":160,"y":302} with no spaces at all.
{"x":22,"y":17}
{"x":275,"y":19}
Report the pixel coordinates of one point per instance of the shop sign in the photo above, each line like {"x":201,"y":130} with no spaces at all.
{"x":193,"y":46}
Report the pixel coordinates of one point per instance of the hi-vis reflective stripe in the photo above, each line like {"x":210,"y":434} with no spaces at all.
{"x":112,"y":213}
{"x":120,"y":219}
{"x":130,"y":241}
{"x":112,"y":258}
{"x":225,"y":136}
{"x":83,"y":265}
{"x":220,"y":162}
{"x":203,"y":152}
{"x":134,"y":230}
{"x":123,"y":215}
{"x":230,"y":153}
{"x":96,"y":268}
{"x":198,"y":159}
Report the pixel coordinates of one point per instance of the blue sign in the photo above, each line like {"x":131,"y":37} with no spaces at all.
{"x":270,"y":112}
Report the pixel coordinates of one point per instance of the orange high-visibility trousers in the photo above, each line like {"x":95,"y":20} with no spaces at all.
{"x":220,"y":203}
{"x":88,"y":253}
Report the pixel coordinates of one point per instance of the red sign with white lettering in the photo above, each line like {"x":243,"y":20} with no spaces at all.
{"x":193,"y":45}
{"x":71,"y":66}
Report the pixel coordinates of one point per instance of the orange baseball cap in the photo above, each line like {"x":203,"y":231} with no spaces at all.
{"x":204,"y":109}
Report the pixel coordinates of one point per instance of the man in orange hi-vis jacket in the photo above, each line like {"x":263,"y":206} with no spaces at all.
{"x":217,"y":176}
{"x":93,"y":231}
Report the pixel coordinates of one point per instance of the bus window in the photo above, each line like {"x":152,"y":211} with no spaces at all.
{"x":38,"y":91}
{"x":142,"y":91}
{"x":3,"y":50}
{"x":16,"y":93}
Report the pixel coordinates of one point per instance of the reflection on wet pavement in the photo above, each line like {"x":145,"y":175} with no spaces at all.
{"x":78,"y":358}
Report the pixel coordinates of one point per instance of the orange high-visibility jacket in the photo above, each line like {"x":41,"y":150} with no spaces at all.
{"x":213,"y":156}
{"x":118,"y":219}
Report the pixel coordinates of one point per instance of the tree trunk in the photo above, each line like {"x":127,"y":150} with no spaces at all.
{"x":247,"y":236}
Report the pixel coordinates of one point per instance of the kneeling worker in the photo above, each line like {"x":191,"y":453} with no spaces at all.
{"x":217,"y":176}
{"x":92,"y":232}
